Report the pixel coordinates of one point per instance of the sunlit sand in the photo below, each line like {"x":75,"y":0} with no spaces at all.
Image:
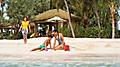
{"x":81,"y":50}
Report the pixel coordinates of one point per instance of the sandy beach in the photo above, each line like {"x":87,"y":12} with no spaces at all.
{"x":81,"y":50}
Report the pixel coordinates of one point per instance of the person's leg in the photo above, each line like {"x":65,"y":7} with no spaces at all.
{"x":36,"y":49}
{"x":26,"y":32}
{"x":42,"y":49}
{"x":25,"y":36}
{"x":59,"y":47}
{"x":25,"y":39}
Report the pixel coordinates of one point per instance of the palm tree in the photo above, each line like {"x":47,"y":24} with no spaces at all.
{"x":69,"y":18}
{"x":113,"y":6}
{"x":97,"y":15}
{"x":113,"y":17}
{"x":60,"y":4}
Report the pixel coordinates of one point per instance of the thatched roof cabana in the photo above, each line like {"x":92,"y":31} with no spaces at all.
{"x":52,"y":13}
{"x":49,"y":15}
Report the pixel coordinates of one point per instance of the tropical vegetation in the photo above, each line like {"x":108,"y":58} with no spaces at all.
{"x":97,"y":18}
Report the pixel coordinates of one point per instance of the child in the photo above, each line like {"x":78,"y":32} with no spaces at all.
{"x":44,"y":45}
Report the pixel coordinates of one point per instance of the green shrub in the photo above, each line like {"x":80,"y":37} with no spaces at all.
{"x":19,"y":35}
{"x":65,"y":31}
{"x":90,"y":32}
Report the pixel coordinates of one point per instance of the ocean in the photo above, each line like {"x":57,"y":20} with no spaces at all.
{"x":55,"y":64}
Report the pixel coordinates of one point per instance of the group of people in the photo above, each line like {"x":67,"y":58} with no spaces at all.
{"x":57,"y":37}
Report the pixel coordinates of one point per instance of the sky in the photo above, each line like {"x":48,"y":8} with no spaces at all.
{"x":119,"y":11}
{"x":4,"y":10}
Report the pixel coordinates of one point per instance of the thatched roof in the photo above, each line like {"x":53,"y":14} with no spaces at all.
{"x":52,"y":13}
{"x":0,"y":1}
{"x":6,"y":25}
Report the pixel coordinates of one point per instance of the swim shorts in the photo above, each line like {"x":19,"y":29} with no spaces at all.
{"x":42,"y":46}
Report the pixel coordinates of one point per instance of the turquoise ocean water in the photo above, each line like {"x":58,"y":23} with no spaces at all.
{"x":53,"y":64}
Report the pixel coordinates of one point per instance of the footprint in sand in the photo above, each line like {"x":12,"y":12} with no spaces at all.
{"x":108,"y":45}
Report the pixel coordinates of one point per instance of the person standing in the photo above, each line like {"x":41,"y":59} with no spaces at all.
{"x":24,"y":28}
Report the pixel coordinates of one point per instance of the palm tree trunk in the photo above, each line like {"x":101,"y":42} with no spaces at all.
{"x":97,"y":15}
{"x":68,"y":13}
{"x":51,"y":5}
{"x":113,"y":21}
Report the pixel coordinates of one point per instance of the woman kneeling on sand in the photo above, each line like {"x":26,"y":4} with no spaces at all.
{"x":60,"y":38}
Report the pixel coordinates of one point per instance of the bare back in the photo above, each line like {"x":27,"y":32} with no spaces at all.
{"x":47,"y":42}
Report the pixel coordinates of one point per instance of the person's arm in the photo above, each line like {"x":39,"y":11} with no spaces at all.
{"x":45,"y":46}
{"x":63,"y":42}
{"x":45,"y":43}
{"x":54,"y":43}
{"x":20,"y":28}
{"x":50,"y":46}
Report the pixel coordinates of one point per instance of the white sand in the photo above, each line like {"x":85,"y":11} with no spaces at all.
{"x":81,"y":49}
